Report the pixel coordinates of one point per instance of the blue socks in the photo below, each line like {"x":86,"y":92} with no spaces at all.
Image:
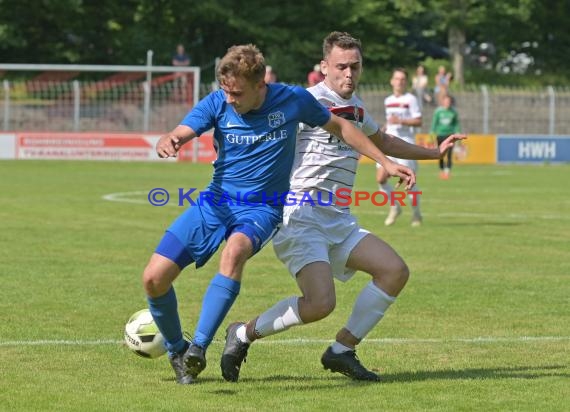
{"x":217,"y":302}
{"x":164,"y":310}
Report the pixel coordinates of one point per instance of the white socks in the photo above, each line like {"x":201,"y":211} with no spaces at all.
{"x":242,"y":335}
{"x":338,"y":347}
{"x":278,"y":318}
{"x":368,"y":310}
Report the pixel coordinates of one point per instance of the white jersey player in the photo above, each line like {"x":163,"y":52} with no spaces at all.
{"x":403,"y":114}
{"x":323,"y":162}
{"x":319,"y":242}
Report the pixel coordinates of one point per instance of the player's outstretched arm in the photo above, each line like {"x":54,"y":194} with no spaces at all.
{"x":448,"y":143}
{"x":169,"y":144}
{"x":394,"y":146}
{"x":354,"y":137}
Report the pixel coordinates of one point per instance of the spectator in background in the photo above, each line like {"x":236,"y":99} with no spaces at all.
{"x":180,"y":58}
{"x":442,"y":80}
{"x":315,"y":76}
{"x":420,"y":83}
{"x":270,"y":75}
{"x":445,"y":122}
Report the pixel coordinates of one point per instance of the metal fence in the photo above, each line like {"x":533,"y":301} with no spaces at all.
{"x":494,"y":110}
{"x":130,"y":105}
{"x":127,"y":98}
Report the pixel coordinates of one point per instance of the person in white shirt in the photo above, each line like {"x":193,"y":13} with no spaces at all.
{"x":318,"y":243}
{"x":420,"y":84}
{"x":403,"y":115}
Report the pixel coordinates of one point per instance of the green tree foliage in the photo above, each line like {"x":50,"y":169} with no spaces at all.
{"x":393,"y":32}
{"x":501,"y":23}
{"x":550,"y":30}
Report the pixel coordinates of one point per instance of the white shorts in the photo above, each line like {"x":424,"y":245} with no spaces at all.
{"x":411,"y":163}
{"x":317,"y":234}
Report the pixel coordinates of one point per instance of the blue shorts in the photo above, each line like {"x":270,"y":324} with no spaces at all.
{"x":198,"y":232}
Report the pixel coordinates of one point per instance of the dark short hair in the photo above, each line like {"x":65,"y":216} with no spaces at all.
{"x":401,"y":70}
{"x":340,"y":39}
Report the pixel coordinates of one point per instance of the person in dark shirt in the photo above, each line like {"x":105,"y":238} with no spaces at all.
{"x":180,"y":58}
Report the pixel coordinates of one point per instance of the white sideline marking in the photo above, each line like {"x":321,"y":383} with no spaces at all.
{"x":123,"y":197}
{"x":46,"y":342}
{"x":305,"y":341}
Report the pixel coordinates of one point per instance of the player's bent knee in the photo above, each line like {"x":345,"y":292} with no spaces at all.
{"x":396,"y":273}
{"x":404,"y":273}
{"x":237,"y":253}
{"x":400,"y":273}
{"x":317,"y":309}
{"x":154,"y":284}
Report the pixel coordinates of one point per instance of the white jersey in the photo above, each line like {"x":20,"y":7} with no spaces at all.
{"x":323,"y":162}
{"x":405,"y":107}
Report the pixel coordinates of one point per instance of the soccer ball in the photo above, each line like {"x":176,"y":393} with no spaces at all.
{"x":142,"y":335}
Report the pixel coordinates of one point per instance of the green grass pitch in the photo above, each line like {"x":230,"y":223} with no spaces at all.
{"x":483,"y":324}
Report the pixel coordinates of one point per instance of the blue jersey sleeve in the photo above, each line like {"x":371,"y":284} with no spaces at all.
{"x":202,"y":117}
{"x":312,"y":112}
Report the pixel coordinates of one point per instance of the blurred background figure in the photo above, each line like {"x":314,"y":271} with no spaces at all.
{"x":420,"y":84}
{"x":403,"y":115}
{"x":315,"y":76}
{"x":442,"y":80}
{"x":270,"y":75}
{"x":445,"y":122}
{"x":180,"y":58}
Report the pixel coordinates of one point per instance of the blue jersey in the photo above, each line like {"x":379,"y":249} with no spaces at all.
{"x":256,"y":150}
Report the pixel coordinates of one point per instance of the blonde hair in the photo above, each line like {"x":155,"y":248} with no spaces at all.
{"x":242,"y":61}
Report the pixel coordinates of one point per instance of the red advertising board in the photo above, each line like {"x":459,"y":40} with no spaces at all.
{"x":200,"y":150}
{"x":84,"y":146}
{"x":104,"y":146}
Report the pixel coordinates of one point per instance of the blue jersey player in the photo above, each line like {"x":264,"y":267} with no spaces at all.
{"x":255,"y":128}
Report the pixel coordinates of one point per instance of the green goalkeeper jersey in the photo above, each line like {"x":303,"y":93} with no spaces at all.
{"x":445,"y":122}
